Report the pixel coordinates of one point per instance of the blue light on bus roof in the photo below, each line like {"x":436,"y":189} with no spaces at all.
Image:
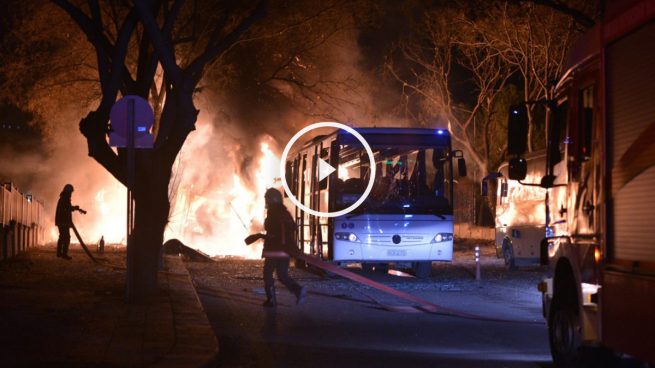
{"x":405,"y":206}
{"x":440,"y":131}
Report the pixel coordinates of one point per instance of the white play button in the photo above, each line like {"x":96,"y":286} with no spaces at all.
{"x":324,"y":169}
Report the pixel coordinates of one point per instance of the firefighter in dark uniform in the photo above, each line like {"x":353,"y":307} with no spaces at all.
{"x":280,"y":237}
{"x":64,"y":220}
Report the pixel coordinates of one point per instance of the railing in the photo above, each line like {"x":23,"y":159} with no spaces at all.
{"x":21,"y":221}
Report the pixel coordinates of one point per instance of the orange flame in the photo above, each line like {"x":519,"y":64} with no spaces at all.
{"x":106,"y":215}
{"x":218,"y":218}
{"x":212,"y":209}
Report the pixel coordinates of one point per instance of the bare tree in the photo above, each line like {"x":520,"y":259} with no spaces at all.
{"x":534,"y":40}
{"x":429,"y":58}
{"x":150,"y":33}
{"x":577,"y":13}
{"x":164,"y":51}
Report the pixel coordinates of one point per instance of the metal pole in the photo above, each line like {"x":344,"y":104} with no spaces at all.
{"x":477,"y":263}
{"x":130,"y":200}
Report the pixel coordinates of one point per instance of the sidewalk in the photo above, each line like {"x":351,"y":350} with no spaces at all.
{"x":60,"y":313}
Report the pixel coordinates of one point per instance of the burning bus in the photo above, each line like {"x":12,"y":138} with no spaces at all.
{"x":599,"y":177}
{"x":407,"y":219}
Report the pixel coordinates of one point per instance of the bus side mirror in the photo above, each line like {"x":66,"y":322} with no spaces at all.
{"x":517,"y":130}
{"x":518,"y":168}
{"x":461,"y":167}
{"x":548,"y":181}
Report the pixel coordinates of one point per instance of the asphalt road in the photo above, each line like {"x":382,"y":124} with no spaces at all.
{"x":344,"y":324}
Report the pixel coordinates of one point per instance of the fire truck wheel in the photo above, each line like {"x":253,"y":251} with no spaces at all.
{"x":508,"y":256}
{"x":565,"y":336}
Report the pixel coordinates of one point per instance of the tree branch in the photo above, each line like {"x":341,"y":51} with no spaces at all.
{"x":160,"y":43}
{"x":578,"y":16}
{"x":93,"y":33}
{"x":214,"y":50}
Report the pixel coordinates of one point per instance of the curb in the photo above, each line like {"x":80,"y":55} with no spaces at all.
{"x":196,"y":344}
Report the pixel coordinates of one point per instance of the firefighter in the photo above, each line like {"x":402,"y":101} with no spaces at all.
{"x":279,"y":239}
{"x":64,"y":220}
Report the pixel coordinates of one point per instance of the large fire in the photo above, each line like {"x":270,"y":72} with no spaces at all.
{"x":106,"y":211}
{"x":217,"y":197}
{"x":218,"y":213}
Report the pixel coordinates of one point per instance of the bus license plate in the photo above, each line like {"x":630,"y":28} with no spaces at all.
{"x":396,"y":252}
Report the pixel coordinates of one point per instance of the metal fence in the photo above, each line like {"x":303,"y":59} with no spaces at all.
{"x":21,"y":221}
{"x":470,"y":207}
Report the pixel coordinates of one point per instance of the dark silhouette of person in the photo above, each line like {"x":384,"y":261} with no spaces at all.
{"x":64,"y":220}
{"x":278,"y":243}
{"x":101,"y":245}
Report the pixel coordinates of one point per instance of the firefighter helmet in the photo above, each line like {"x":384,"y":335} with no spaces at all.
{"x":272,"y":196}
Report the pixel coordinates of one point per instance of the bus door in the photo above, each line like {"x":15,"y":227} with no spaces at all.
{"x":320,"y":197}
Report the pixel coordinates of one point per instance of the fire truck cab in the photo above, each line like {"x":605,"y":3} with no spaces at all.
{"x":599,"y":180}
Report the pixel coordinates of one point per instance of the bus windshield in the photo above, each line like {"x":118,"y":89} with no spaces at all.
{"x":409,"y":179}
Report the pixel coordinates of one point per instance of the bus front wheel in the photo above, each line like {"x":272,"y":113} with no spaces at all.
{"x":422,"y":269}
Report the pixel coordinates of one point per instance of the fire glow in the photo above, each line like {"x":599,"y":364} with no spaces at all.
{"x":215,"y":215}
{"x":216,"y":194}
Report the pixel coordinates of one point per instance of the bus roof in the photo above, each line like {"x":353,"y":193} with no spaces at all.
{"x":380,"y":131}
{"x":402,"y":131}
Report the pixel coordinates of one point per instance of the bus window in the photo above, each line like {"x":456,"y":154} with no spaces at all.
{"x":325,"y":155}
{"x":407,"y":178}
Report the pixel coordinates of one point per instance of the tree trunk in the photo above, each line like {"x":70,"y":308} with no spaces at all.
{"x":530,"y":126}
{"x":151,"y":215}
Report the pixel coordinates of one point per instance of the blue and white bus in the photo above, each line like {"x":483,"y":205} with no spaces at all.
{"x":407,"y":219}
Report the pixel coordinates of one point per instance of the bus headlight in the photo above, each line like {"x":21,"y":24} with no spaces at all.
{"x":351,"y":237}
{"x":442,"y":237}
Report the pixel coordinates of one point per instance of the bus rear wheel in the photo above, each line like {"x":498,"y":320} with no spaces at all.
{"x":508,"y":256}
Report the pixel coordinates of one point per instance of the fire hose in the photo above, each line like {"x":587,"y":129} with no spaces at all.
{"x":423,"y":305}
{"x":86,"y":250}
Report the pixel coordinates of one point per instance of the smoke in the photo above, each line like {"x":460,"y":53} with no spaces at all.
{"x":225,"y":166}
{"x":60,"y":159}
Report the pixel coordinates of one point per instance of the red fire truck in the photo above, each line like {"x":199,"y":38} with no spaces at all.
{"x":600,"y":181}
